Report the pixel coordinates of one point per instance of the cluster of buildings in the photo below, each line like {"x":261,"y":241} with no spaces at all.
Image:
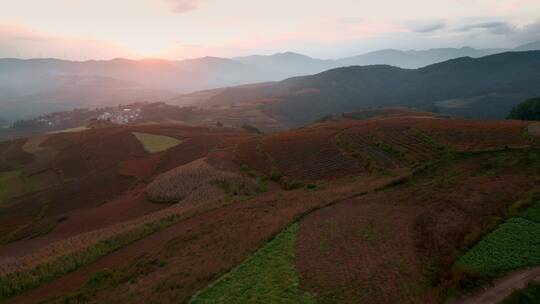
{"x":121,"y":115}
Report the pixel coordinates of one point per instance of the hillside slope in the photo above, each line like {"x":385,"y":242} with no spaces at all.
{"x":486,"y":87}
{"x":408,"y":189}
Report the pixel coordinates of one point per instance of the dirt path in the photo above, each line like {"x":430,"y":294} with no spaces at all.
{"x":502,"y":288}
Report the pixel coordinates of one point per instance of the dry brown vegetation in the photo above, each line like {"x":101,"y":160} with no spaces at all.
{"x":176,"y":184}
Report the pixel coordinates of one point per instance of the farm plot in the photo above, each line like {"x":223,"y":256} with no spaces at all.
{"x":43,"y":155}
{"x":374,"y":157}
{"x":513,"y":245}
{"x":10,"y":185}
{"x":269,"y":276}
{"x":467,"y":135}
{"x":93,"y":151}
{"x":12,"y":155}
{"x":175,"y":185}
{"x":202,"y":248}
{"x":16,"y":183}
{"x":411,"y":145}
{"x":309,"y":156}
{"x":19,"y":213}
{"x":359,"y":251}
{"x":191,"y":149}
{"x":139,"y":166}
{"x":383,"y":247}
{"x":18,"y":274}
{"x":153,"y":143}
{"x":250,"y":154}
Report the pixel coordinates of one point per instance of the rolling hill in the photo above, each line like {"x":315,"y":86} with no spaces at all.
{"x":486,"y":87}
{"x":375,"y":206}
{"x":37,"y":86}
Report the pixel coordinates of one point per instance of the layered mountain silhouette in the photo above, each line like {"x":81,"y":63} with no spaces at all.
{"x":486,"y":87}
{"x":36,"y":86}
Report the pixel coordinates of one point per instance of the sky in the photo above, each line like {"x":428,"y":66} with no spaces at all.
{"x":178,"y":29}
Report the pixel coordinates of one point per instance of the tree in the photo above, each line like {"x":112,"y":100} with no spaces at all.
{"x":527,"y":110}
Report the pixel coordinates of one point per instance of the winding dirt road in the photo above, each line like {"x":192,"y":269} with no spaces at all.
{"x":502,"y":288}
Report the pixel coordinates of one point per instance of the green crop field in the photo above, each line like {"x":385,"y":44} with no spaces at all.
{"x":513,"y":245}
{"x":156,"y":143}
{"x":269,"y":276}
{"x":532,"y":213}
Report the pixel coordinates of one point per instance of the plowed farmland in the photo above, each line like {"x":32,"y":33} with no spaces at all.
{"x":382,"y":209}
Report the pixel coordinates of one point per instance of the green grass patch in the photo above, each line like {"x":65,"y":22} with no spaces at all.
{"x":513,"y":245}
{"x":269,"y":276}
{"x":156,"y":143}
{"x":528,"y":295}
{"x":532,"y":213}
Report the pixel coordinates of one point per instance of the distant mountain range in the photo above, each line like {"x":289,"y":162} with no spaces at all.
{"x":36,"y":86}
{"x":486,"y":87}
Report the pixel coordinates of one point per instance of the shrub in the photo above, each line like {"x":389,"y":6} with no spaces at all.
{"x":528,"y":110}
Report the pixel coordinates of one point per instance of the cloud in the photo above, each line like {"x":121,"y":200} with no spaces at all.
{"x":427,"y":27}
{"x":183,"y":6}
{"x":493,"y":27}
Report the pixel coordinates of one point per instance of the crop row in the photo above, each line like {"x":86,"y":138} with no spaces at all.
{"x":513,"y":245}
{"x":19,"y":274}
{"x":309,"y":156}
{"x":176,"y":184}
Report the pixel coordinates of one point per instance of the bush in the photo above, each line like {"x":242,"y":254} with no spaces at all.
{"x":528,"y":110}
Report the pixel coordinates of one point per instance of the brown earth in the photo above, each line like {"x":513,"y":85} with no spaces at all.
{"x":385,"y":246}
{"x":396,"y":233}
{"x":201,"y":248}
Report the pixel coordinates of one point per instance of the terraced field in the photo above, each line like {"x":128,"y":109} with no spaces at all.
{"x":309,"y":156}
{"x":387,"y":207}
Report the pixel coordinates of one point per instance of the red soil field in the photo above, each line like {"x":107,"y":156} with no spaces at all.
{"x":360,"y":251}
{"x":12,"y":154}
{"x":302,"y":155}
{"x":139,"y":166}
{"x":250,"y":153}
{"x":476,"y":135}
{"x":374,"y":245}
{"x":129,"y":205}
{"x":422,"y":222}
{"x":94,"y":168}
{"x":20,"y":212}
{"x":199,"y":249}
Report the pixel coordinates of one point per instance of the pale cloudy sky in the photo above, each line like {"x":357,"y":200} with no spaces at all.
{"x":101,"y":29}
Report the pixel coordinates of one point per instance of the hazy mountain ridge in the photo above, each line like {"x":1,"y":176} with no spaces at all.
{"x":486,"y":87}
{"x":33,"y":87}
